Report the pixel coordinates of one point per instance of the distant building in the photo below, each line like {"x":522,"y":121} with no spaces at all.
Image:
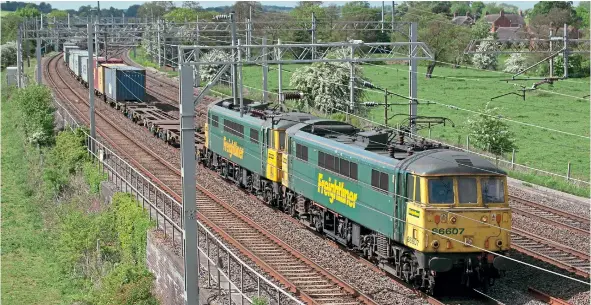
{"x":505,"y":20}
{"x":463,"y":20}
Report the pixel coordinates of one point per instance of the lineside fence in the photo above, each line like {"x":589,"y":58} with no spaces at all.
{"x":220,"y":268}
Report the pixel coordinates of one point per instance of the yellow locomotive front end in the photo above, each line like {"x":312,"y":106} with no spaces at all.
{"x":458,"y":219}
{"x":459,"y":214}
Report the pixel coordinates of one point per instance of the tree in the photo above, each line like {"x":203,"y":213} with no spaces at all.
{"x":9,"y":27}
{"x":194,"y":5}
{"x":583,"y":13}
{"x":480,"y":30}
{"x":483,"y":60}
{"x":242,"y":10}
{"x":515,"y":63}
{"x":8,"y":54}
{"x":209,"y":71}
{"x":45,"y":8}
{"x":477,"y":7}
{"x":132,"y":10}
{"x":460,"y":8}
{"x":58,"y":14}
{"x":181,"y":14}
{"x":360,"y":11}
{"x":303,"y":14}
{"x":544,"y":7}
{"x":446,"y":41}
{"x":488,"y":132}
{"x":154,"y":9}
{"x":326,"y":85}
{"x":553,"y":20}
{"x":28,"y":11}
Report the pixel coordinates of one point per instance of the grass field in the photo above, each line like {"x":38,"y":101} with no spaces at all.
{"x":471,"y":89}
{"x":30,"y":274}
{"x":538,"y":147}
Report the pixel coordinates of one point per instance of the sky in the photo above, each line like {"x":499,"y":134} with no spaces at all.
{"x":125,"y":4}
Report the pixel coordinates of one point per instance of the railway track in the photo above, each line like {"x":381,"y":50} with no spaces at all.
{"x":550,"y":252}
{"x":310,"y":282}
{"x":560,"y":256}
{"x":549,"y":215}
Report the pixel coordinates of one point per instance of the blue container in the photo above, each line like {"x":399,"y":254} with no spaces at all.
{"x":125,"y":83}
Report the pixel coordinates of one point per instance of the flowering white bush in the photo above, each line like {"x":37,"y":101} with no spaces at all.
{"x":515,"y":63}
{"x":485,"y":61}
{"x":8,"y":54}
{"x":326,"y":85}
{"x":207,"y":72}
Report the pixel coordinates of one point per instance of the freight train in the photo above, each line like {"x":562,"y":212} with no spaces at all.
{"x":113,"y":80}
{"x":424,"y":213}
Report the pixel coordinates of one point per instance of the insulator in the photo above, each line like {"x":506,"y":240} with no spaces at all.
{"x":293,"y":95}
{"x":370,"y":104}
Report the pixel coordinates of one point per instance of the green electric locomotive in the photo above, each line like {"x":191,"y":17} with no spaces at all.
{"x":421,"y":211}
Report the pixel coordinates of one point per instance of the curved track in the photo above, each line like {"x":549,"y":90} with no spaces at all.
{"x":307,"y":280}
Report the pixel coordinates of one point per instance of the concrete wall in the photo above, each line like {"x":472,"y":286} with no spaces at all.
{"x":167,"y":267}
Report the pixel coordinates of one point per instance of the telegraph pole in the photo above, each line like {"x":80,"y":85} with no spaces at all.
{"x":38,"y":53}
{"x":89,"y":72}
{"x":565,"y":53}
{"x":19,"y":57}
{"x":265,"y":70}
{"x":351,"y":82}
{"x":412,"y":79}
{"x":313,"y":31}
{"x":188,"y":172}
{"x":158,"y":37}
{"x":279,"y":73}
{"x":234,"y":68}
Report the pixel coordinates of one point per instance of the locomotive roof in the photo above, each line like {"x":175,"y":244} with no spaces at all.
{"x":449,"y":162}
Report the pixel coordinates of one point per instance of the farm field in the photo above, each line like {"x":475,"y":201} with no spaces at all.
{"x":471,"y":89}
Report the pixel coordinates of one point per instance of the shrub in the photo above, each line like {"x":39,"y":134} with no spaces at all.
{"x":131,"y":225}
{"x":207,"y":72}
{"x":8,"y":54}
{"x":126,"y":284}
{"x":93,"y":176}
{"x":36,"y":113}
{"x":68,"y":155}
{"x":485,"y":61}
{"x":515,"y":63}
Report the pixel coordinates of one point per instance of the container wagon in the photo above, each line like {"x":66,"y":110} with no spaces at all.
{"x":75,"y":62}
{"x":67,"y":52}
{"x":125,"y":83}
{"x":98,"y":73}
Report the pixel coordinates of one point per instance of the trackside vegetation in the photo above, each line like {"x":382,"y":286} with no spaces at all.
{"x":60,"y":243}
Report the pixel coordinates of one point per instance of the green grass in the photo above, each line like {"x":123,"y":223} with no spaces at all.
{"x":4,"y":13}
{"x":29,"y":272}
{"x":538,"y":148}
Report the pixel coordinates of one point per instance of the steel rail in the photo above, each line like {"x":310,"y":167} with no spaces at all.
{"x":546,"y":297}
{"x":551,"y":215}
{"x":558,"y":255}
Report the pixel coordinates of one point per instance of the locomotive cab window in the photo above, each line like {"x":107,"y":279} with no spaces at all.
{"x":441,"y":190}
{"x":493,"y":189}
{"x":468,"y":190}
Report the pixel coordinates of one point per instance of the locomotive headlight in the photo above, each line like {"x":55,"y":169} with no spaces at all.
{"x":435,"y":244}
{"x":453,"y":219}
{"x":499,"y":243}
{"x":484,"y":218}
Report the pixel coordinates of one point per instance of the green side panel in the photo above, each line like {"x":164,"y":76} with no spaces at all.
{"x":354,"y":199}
{"x":400,"y":209}
{"x":251,"y":152}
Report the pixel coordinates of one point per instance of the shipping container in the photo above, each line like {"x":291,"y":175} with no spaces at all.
{"x":98,"y":74}
{"x":100,"y":86}
{"x":125,"y":83}
{"x":67,"y":51}
{"x":75,"y":63}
